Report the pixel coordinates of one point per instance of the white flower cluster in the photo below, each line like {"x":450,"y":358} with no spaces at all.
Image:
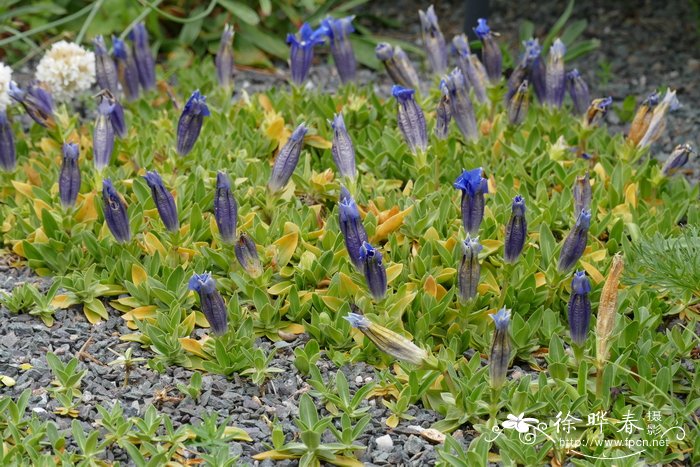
{"x":67,"y":70}
{"x":5,"y":80}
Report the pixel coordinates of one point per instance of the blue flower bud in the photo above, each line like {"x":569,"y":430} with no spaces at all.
{"x":8,"y":158}
{"x":105,"y":69}
{"x":443,"y":115}
{"x":518,"y":105}
{"x":342,"y":150}
{"x":190,"y":123}
{"x":225,"y":208}
{"x":69,"y":179}
{"x":164,"y":201}
{"x":247,"y":255}
{"x":224,"y":58}
{"x":115,"y":214}
{"x":516,"y":231}
{"x":287,"y":160}
{"x":374,"y":271}
{"x":398,"y":65}
{"x":116,"y":116}
{"x":499,"y":358}
{"x":575,"y":243}
{"x":582,"y":194}
{"x":301,"y":51}
{"x":578,"y":90}
{"x":126,"y":68}
{"x":491,"y":53}
{"x":678,"y":158}
{"x":351,"y":226}
{"x":410,"y":119}
{"x":597,"y":110}
{"x":143,"y":57}
{"x":433,"y":40}
{"x":103,"y":134}
{"x":473,"y":187}
{"x":210,"y":301}
{"x":338,"y":31}
{"x":579,"y":308}
{"x":469,"y":269}
{"x":537,"y":73}
{"x":555,"y":77}
{"x":455,"y":87}
{"x":36,"y":101}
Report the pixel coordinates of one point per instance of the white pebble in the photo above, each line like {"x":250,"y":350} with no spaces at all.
{"x":358,"y":379}
{"x":384,"y":443}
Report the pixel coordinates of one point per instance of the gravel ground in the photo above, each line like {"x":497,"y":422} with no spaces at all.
{"x":644,"y":45}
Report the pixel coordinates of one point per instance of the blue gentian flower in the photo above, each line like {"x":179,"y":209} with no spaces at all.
{"x":69,"y":179}
{"x":338,"y":31}
{"x":518,"y":104}
{"x":499,"y":358}
{"x":582,"y":194}
{"x":410,"y":119}
{"x":301,"y":51}
{"x":678,"y":158}
{"x":537,"y":72}
{"x":225,"y":208}
{"x":105,"y":69}
{"x":398,"y":65}
{"x":127,"y":72}
{"x":350,"y":223}
{"x":115,"y":213}
{"x":469,"y":269}
{"x":579,"y":308}
{"x":374,"y":270}
{"x":491,"y":53}
{"x":210,"y":301}
{"x":8,"y":157}
{"x":342,"y":150}
{"x":471,"y":67}
{"x":443,"y":115}
{"x":224,"y":58}
{"x":36,"y":101}
{"x":473,"y":187}
{"x":103,"y":134}
{"x":164,"y":201}
{"x":190,"y":123}
{"x":578,"y":90}
{"x":555,"y":76}
{"x":516,"y":231}
{"x":575,"y":243}
{"x":433,"y":40}
{"x":247,"y":255}
{"x":287,"y":160}
{"x":597,"y":110}
{"x":143,"y":57}
{"x":455,"y":87}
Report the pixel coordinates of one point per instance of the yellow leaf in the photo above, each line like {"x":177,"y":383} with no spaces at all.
{"x":294,"y":328}
{"x":430,"y":286}
{"x":593,"y":272}
{"x":490,"y":246}
{"x":390,"y":225}
{"x":140,"y":313}
{"x":138,"y":274}
{"x":334,"y":303}
{"x":40,"y":236}
{"x":131,"y":302}
{"x":23,"y":188}
{"x":274,"y":455}
{"x":7,"y":381}
{"x":48,"y":145}
{"x":40,"y":205}
{"x":280,"y":288}
{"x":265,"y":103}
{"x":393,"y":271}
{"x":631,"y":194}
{"x":431,"y":234}
{"x":87,"y":212}
{"x":598,"y":255}
{"x":193,"y":346}
{"x":25,"y":366}
{"x":344,"y":461}
{"x":152,"y":244}
{"x":63,"y":301}
{"x":317,"y":141}
{"x":392,"y":421}
{"x":239,"y":434}
{"x":492,"y":184}
{"x":97,"y":310}
{"x":445,"y":275}
{"x":347,"y":286}
{"x":18,"y":249}
{"x":540,"y":279}
{"x":441,"y":292}
{"x":286,"y":246}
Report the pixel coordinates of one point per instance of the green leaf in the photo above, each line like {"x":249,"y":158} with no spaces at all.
{"x":241,"y":11}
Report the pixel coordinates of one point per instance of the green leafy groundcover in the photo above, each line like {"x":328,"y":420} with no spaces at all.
{"x":412,"y":213}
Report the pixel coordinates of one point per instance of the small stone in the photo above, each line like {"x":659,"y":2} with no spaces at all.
{"x":358,"y":380}
{"x":413,"y":445}
{"x":368,"y":379}
{"x":384,"y":443}
{"x":434,"y":436}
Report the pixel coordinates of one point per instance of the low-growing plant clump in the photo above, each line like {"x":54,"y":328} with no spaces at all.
{"x":368,"y":226}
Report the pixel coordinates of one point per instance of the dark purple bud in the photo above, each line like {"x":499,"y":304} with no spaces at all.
{"x":597,"y":110}
{"x":338,"y":31}
{"x":678,"y":158}
{"x":115,"y":212}
{"x":578,"y":90}
{"x":247,"y":254}
{"x":499,"y":358}
{"x":443,"y":115}
{"x":164,"y":201}
{"x":455,"y":87}
{"x":472,"y":69}
{"x":224,"y":58}
{"x":342,"y":150}
{"x":398,"y":65}
{"x":210,"y":301}
{"x":287,"y":160}
{"x":116,"y":116}
{"x":433,"y":40}
{"x":145,"y":65}
{"x":473,"y":187}
{"x":190,"y":123}
{"x":8,"y":158}
{"x":518,"y":104}
{"x":374,"y":271}
{"x":410,"y":119}
{"x":37,"y":102}
{"x":126,"y":69}
{"x":469,"y":269}
{"x":301,"y":51}
{"x":537,"y":71}
{"x":582,"y":194}
{"x":516,"y":231}
{"x":351,"y":226}
{"x":575,"y":243}
{"x":579,"y":308}
{"x":103,"y":134}
{"x":105,"y":69}
{"x":555,"y":76}
{"x":491,"y":53}
{"x":69,"y":179}
{"x":225,"y":209}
